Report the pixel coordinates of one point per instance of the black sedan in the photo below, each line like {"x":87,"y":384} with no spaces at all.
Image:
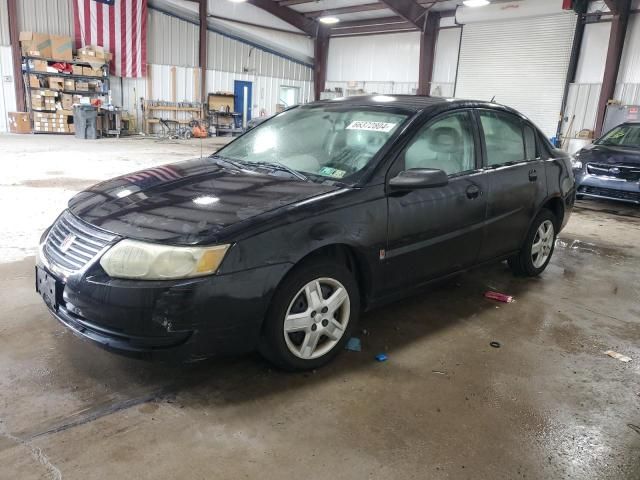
{"x":610,"y":167}
{"x":279,"y":240}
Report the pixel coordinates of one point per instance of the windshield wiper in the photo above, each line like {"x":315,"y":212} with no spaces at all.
{"x":234,"y":163}
{"x":282,"y":167}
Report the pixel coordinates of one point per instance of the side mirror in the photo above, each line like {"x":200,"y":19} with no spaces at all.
{"x":418,"y":178}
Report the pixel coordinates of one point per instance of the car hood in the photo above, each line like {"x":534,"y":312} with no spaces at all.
{"x":188,"y":202}
{"x":610,"y":155}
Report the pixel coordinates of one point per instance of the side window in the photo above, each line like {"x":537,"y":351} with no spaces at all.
{"x":531,"y":151}
{"x":502,"y":137}
{"x":446,"y":144}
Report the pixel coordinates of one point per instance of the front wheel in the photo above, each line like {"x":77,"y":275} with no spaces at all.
{"x":312,"y":315}
{"x":538,"y":246}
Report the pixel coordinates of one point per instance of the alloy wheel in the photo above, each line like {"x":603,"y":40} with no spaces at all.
{"x":542,"y":243}
{"x":317,"y":318}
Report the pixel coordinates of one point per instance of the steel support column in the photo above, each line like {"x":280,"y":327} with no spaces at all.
{"x":203,"y":51}
{"x":14,"y":38}
{"x":320,"y":53}
{"x":614,"y":54}
{"x":428,"y":39}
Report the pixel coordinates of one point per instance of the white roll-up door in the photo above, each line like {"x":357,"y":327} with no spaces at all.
{"x":523,"y":62}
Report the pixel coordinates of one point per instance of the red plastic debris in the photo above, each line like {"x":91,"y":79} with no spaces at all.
{"x":500,"y":297}
{"x":63,"y":67}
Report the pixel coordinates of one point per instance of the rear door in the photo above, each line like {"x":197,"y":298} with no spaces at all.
{"x":434,"y":231}
{"x":516,"y":176}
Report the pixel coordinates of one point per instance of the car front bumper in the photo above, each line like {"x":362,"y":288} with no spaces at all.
{"x":610,"y":188}
{"x":189,"y":319}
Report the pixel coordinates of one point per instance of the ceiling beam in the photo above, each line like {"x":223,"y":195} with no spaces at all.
{"x":342,"y":10}
{"x":307,"y":25}
{"x":368,"y":22}
{"x":614,"y":5}
{"x":409,"y":10}
{"x":373,"y":29}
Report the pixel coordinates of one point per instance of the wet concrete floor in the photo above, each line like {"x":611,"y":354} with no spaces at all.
{"x":547,"y":404}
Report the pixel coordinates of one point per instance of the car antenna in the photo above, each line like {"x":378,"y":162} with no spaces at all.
{"x":493,"y":99}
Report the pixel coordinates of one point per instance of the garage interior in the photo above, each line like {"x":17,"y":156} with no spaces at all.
{"x":547,"y":403}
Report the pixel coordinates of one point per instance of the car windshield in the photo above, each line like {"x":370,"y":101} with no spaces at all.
{"x":623,"y":136}
{"x":327,"y":142}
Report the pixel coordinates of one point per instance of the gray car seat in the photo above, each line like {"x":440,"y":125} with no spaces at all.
{"x":440,"y":148}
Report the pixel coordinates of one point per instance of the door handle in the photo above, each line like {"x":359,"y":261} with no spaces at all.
{"x":533,"y":175}
{"x":473,"y":191}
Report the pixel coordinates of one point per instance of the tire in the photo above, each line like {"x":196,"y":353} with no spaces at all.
{"x":316,"y":321}
{"x":529,"y":263}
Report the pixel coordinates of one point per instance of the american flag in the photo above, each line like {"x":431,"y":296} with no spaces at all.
{"x":154,"y":176}
{"x":120,"y":26}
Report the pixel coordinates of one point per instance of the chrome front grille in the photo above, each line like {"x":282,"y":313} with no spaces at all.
{"x":71,"y":243}
{"x":629,"y":173}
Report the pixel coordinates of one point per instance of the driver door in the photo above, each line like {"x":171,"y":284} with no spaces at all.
{"x":437,"y":230}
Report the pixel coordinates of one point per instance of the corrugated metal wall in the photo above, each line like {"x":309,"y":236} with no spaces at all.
{"x":445,"y":66}
{"x":171,"y":41}
{"x":129,"y":91}
{"x":582,"y":101}
{"x":374,"y":58}
{"x":4,"y":23}
{"x":371,"y":87}
{"x":7,"y":89}
{"x":48,"y":16}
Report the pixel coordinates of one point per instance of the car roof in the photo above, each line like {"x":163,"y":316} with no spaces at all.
{"x":412,"y":103}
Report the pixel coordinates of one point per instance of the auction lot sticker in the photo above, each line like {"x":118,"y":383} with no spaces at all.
{"x":371,"y":126}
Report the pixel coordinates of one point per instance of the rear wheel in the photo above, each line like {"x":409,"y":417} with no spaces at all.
{"x":538,"y":247}
{"x":312,"y":315}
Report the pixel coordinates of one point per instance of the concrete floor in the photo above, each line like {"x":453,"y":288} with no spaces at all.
{"x":547,"y":404}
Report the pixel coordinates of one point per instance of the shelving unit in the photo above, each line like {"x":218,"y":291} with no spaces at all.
{"x":28,"y":71}
{"x":149,"y":121}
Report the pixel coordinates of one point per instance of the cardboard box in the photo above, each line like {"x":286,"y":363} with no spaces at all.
{"x":34,"y":42}
{"x":61,"y":47}
{"x":95,"y":86}
{"x":94,"y":54}
{"x":77,"y":98}
{"x":19,"y":122}
{"x":77,"y":69}
{"x":92,"y":72}
{"x":67,"y":101}
{"x":56,"y":83}
{"x":34,"y":81}
{"x":69,"y":84}
{"x":82,"y":86}
{"x":72,"y":128}
{"x":39,"y":65}
{"x":37,"y":103}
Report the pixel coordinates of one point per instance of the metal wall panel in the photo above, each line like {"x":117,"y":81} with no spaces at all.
{"x":4,"y":23}
{"x":630,"y":63}
{"x":129,"y":91}
{"x":7,"y":89}
{"x":382,"y":58}
{"x":522,"y":62}
{"x":593,"y":53}
{"x":46,"y":16}
{"x":383,"y":88}
{"x":171,"y":41}
{"x":445,"y":65}
{"x":228,"y":55}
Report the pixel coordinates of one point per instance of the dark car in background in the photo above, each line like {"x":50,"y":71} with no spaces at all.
{"x":610,"y":167}
{"x":279,"y":240}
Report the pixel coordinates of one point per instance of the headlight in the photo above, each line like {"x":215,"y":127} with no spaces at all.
{"x":576,"y":164}
{"x":150,"y":261}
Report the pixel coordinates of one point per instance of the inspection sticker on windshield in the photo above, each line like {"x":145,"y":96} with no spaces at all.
{"x":371,"y":126}
{"x":332,"y":172}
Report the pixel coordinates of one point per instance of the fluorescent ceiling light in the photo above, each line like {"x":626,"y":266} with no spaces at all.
{"x":329,"y":20}
{"x":475,"y":3}
{"x":238,"y":1}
